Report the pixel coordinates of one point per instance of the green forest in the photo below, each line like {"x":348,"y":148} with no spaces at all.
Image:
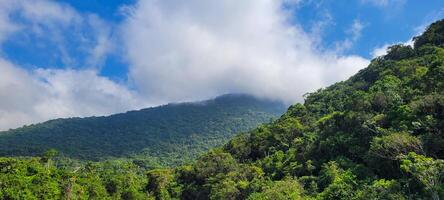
{"x":377,"y":135}
{"x":168,"y":135}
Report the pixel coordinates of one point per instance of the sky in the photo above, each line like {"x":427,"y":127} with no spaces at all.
{"x":78,"y":58}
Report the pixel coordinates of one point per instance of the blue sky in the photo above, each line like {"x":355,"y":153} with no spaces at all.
{"x":383,"y":22}
{"x":97,"y":57}
{"x":389,"y":22}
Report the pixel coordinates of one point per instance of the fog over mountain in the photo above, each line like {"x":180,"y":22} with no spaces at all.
{"x":170,"y":51}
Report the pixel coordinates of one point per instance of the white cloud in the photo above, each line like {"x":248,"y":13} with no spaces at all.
{"x":356,"y":29}
{"x":102,"y":42}
{"x":57,"y":24}
{"x":385,"y":3}
{"x":47,"y":94}
{"x":83,"y":93}
{"x":378,"y":2}
{"x":380,"y":51}
{"x":177,"y":51}
{"x":319,"y":27}
{"x":6,"y":26}
{"x":192,"y":50}
{"x":354,"y":33}
{"x":30,"y":96}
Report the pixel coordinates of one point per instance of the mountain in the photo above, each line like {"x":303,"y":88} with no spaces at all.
{"x":163,"y":135}
{"x":377,"y":135}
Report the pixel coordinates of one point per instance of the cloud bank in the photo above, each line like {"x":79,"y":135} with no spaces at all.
{"x":176,"y":51}
{"x":191,"y":50}
{"x":47,"y":94}
{"x":42,"y":93}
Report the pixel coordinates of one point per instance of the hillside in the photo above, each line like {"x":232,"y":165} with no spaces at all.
{"x":165,"y":135}
{"x":377,"y":135}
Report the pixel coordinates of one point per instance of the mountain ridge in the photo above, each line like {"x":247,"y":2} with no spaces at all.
{"x":230,"y":113}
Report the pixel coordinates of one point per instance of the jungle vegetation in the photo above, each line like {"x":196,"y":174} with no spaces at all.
{"x":168,"y":135}
{"x":377,"y":135}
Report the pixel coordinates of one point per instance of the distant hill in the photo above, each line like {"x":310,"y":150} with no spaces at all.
{"x":164,"y":135}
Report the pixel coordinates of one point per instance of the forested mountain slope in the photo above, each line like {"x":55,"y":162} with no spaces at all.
{"x":378,"y":135}
{"x":162,"y":135}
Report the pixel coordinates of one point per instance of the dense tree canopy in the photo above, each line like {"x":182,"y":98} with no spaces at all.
{"x":162,"y":136}
{"x":378,"y":135}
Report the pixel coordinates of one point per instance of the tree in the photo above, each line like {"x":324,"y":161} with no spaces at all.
{"x":433,"y":35}
{"x":427,"y":171}
{"x":159,"y":181}
{"x":399,"y":51}
{"x":382,"y":189}
{"x":395,"y":144}
{"x":337,"y":183}
{"x":287,"y":189}
{"x":51,"y":153}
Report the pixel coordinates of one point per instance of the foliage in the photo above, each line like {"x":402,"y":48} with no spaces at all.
{"x":377,"y":135}
{"x":32,"y":179}
{"x":382,"y":189}
{"x":279,"y":190}
{"x":394,"y":145}
{"x":433,"y":35}
{"x":398,"y":52}
{"x":427,"y":171}
{"x":168,"y":135}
